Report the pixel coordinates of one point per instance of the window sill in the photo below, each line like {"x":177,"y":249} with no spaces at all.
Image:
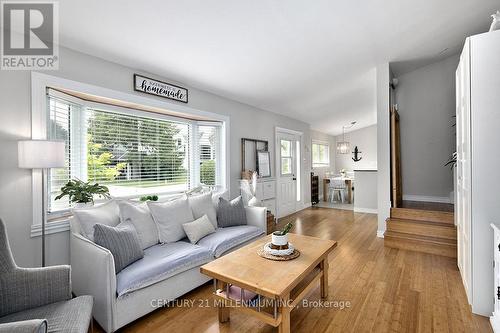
{"x":53,"y":227}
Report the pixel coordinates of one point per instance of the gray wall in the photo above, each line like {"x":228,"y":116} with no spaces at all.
{"x":15,"y":120}
{"x":426,"y":104}
{"x":366,"y":140}
{"x":320,"y":172}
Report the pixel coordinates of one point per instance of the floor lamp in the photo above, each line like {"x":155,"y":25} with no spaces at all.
{"x":44,"y":155}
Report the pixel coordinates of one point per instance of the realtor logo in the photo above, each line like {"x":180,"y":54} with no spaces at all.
{"x":30,"y":35}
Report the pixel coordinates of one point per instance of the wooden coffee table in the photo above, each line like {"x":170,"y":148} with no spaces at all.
{"x":280,"y":285}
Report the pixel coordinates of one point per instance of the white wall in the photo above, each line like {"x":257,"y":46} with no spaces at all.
{"x":366,"y":140}
{"x":426,"y":104}
{"x":320,"y":172}
{"x":383,"y":147}
{"x":15,"y":120}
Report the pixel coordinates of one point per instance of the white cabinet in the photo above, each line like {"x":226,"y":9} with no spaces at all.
{"x":265,"y":192}
{"x":478,"y":179}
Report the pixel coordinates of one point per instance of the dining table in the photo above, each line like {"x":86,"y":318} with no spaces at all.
{"x":349,"y":186}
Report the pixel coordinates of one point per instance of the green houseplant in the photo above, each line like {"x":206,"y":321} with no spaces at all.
{"x":81,"y":192}
{"x":149,"y":198}
{"x":280,"y":238}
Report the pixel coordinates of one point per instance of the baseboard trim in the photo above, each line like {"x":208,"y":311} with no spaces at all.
{"x":365,"y":210}
{"x":380,"y":233}
{"x":495,"y":323}
{"x":409,"y":197}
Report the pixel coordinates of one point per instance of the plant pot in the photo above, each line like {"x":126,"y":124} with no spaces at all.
{"x":79,"y":205}
{"x":278,"y":239}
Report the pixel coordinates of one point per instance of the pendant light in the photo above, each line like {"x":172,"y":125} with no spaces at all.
{"x":343,"y":147}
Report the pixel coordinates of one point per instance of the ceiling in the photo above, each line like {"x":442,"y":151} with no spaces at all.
{"x":310,"y":60}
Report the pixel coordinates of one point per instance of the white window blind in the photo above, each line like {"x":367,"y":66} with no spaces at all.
{"x":133,"y":155}
{"x":320,"y":155}
{"x":208,"y":154}
{"x":136,"y":155}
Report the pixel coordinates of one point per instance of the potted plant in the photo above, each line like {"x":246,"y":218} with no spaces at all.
{"x":279,"y":239}
{"x":82,"y":193}
{"x":149,"y":198}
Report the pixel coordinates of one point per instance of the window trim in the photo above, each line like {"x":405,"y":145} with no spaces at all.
{"x":320,"y":165}
{"x":39,"y":84}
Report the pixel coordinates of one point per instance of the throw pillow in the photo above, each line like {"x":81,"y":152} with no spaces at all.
{"x":169,"y":217}
{"x":139,"y":215}
{"x":198,"y":229}
{"x":217,"y":195}
{"x":107,"y":214}
{"x":231,"y":213}
{"x":122,"y":241}
{"x":202,"y":205}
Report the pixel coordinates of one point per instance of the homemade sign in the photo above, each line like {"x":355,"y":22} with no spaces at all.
{"x":159,"y":88}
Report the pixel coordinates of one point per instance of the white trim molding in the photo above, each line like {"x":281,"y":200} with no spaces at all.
{"x":380,"y":233}
{"x":365,"y":210}
{"x":426,"y":198}
{"x":50,"y":228}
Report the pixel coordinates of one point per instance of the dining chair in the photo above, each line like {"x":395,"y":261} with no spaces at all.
{"x":336,"y":186}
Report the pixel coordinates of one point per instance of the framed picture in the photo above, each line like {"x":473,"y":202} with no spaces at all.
{"x":263,"y":163}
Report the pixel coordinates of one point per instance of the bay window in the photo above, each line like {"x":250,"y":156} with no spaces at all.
{"x":132,"y":152}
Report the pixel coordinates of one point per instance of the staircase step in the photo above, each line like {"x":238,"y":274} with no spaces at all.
{"x":426,"y":244}
{"x":422,"y":228}
{"x":422,"y":215}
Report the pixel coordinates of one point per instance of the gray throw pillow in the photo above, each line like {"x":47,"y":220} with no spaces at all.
{"x":122,"y":241}
{"x":231,"y":213}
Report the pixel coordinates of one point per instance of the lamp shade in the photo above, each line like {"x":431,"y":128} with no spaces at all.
{"x":41,"y":154}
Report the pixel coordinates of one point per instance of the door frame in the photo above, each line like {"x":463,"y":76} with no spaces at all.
{"x":299,"y":205}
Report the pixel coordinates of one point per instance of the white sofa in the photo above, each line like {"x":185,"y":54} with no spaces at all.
{"x":93,"y":272}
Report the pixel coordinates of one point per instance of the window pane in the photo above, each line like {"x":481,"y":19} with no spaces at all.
{"x":135,"y":155}
{"x":315,"y":153}
{"x":286,"y":165}
{"x":208,"y":142}
{"x":286,"y":148}
{"x":320,"y":155}
{"x":59,"y":129}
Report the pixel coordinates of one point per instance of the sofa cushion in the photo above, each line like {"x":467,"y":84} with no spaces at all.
{"x":139,"y":215}
{"x":107,"y":214}
{"x":231,"y":213}
{"x":225,"y":239}
{"x":203,"y":205}
{"x":122,"y":241}
{"x":160,"y":262}
{"x":73,"y":315}
{"x":170,"y":216}
{"x":198,"y":229}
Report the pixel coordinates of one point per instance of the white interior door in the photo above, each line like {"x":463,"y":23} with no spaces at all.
{"x":288,"y":177}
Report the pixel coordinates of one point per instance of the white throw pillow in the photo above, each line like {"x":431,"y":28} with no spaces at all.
{"x":169,"y":217}
{"x":139,"y":215}
{"x":107,"y":214}
{"x":198,"y":229}
{"x":254,"y":202}
{"x":217,"y":195}
{"x":202,"y":205}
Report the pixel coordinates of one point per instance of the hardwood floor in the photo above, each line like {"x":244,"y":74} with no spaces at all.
{"x":388,"y":290}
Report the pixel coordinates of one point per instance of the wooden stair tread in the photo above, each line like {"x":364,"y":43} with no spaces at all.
{"x":423,"y":215}
{"x":420,"y":238}
{"x":422,"y":228}
{"x":402,"y":241}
